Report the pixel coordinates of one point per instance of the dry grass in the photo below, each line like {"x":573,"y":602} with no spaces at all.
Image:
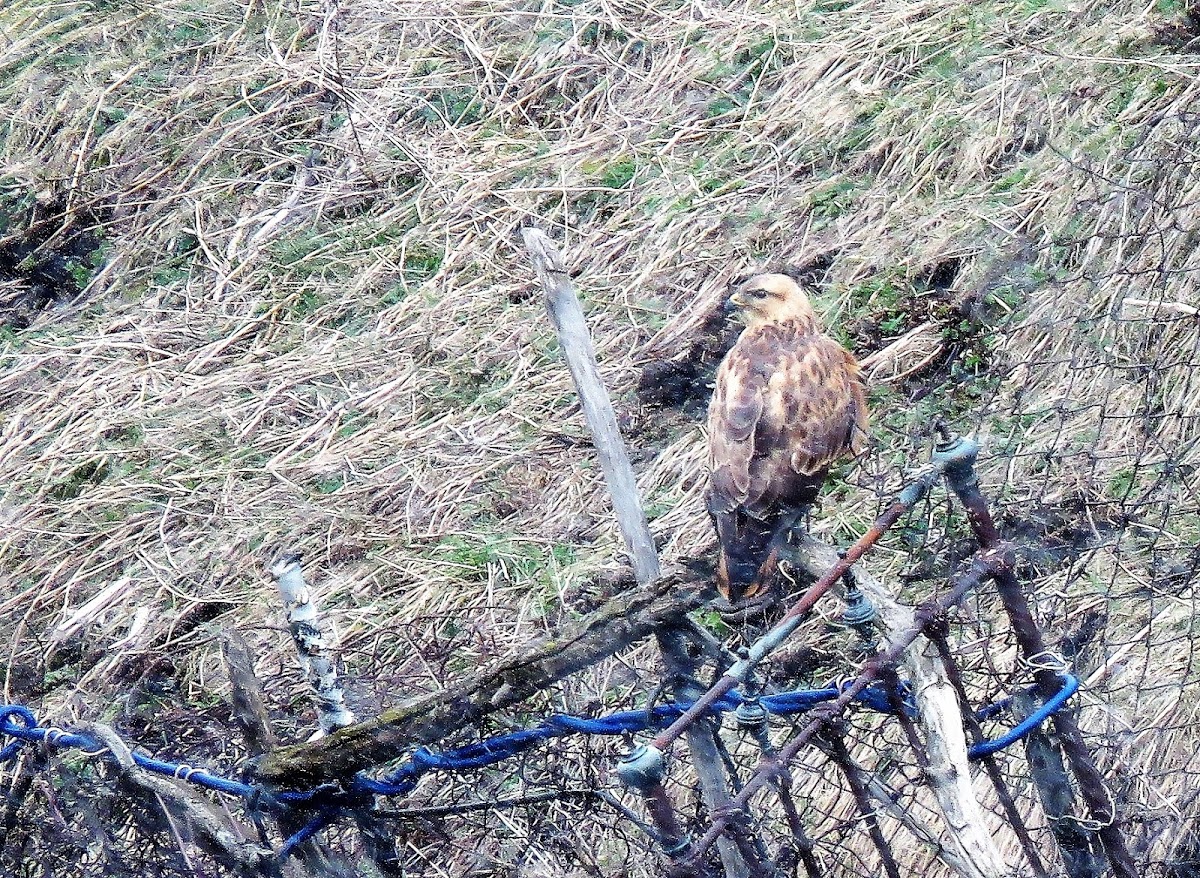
{"x":291,"y":311}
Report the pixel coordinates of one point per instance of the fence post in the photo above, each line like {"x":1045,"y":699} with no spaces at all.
{"x":959,"y":456}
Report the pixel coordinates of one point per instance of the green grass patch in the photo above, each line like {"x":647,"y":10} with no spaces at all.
{"x":456,"y":105}
{"x":422,"y":261}
{"x":480,"y":557}
{"x":834,"y":199}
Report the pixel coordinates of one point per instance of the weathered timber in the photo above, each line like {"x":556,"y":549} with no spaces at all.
{"x":576,"y":342}
{"x":705,"y":759}
{"x":249,"y":711}
{"x":737,"y":857}
{"x":621,"y":621}
{"x":937,"y":635}
{"x":945,"y":763}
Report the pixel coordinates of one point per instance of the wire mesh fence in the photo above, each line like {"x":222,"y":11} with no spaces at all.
{"x":1062,"y":331}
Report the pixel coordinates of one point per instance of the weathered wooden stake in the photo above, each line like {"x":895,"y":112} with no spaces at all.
{"x":562,"y":303}
{"x":705,"y":758}
{"x":245,"y":691}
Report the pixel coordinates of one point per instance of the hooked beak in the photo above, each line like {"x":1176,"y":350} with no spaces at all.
{"x":733,"y":304}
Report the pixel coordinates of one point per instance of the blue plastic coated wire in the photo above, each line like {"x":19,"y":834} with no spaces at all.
{"x":27,"y":729}
{"x":20,"y":723}
{"x":1070,"y":685}
{"x":307,"y":831}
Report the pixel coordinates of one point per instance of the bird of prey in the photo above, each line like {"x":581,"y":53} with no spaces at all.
{"x":789,"y":401}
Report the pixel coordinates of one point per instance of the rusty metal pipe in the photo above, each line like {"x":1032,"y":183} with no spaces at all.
{"x":958,"y":461}
{"x":799,"y":610}
{"x":981,"y":567}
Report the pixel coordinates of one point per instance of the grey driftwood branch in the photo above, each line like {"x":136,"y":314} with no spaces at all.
{"x":187,"y":813}
{"x":562,"y":303}
{"x":619,"y":622}
{"x":706,"y":759}
{"x":973,"y":849}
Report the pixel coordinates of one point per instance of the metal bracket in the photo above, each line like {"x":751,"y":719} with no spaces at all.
{"x":642,"y":768}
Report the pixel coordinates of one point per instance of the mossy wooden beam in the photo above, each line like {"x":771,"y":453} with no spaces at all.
{"x":621,"y":621}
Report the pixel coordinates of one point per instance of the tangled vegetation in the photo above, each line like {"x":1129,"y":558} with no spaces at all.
{"x":262,"y":288}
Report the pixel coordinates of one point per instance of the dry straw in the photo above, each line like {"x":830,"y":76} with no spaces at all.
{"x":291,"y":310}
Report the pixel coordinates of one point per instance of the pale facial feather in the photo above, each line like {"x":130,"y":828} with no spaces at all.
{"x":773,"y":298}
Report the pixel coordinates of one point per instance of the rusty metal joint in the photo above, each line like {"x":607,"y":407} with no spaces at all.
{"x":999,"y":558}
{"x":732,"y":815}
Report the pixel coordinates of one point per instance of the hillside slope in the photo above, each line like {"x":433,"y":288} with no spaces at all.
{"x":262,"y":288}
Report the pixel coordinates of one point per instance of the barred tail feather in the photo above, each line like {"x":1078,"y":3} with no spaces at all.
{"x":749,"y":551}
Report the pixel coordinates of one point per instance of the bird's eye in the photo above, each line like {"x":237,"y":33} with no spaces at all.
{"x":759,"y":294}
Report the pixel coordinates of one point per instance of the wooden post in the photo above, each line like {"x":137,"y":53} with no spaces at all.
{"x":563,"y":305}
{"x":947,"y":769}
{"x":705,"y":758}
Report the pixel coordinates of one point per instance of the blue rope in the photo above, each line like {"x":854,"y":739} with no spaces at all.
{"x":307,"y":831}
{"x":1070,"y":685}
{"x":26,"y":728}
{"x":19,"y":723}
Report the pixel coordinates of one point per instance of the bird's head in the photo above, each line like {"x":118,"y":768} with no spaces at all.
{"x":770,"y":298}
